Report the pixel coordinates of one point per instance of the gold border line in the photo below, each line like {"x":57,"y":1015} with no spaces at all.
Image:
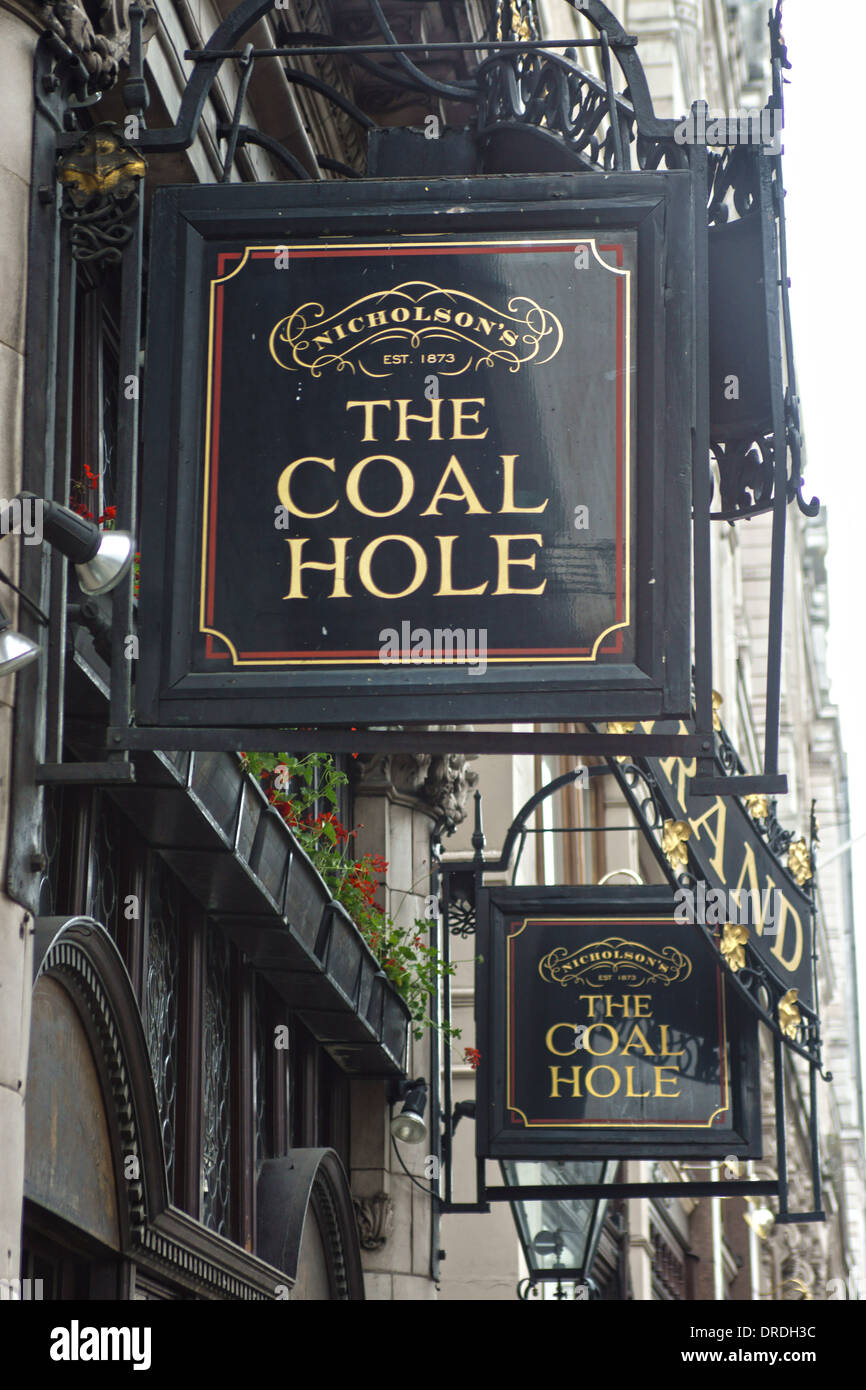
{"x":610,"y":1124}
{"x":222,"y":279}
{"x":312,"y":662}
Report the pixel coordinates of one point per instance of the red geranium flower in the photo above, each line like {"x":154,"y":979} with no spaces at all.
{"x":472,"y":1056}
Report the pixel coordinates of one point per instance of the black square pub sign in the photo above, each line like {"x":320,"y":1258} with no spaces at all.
{"x":417,"y":451}
{"x":610,"y":1029}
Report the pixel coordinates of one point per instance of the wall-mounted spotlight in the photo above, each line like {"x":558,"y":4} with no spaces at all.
{"x":409,"y":1126}
{"x":15,"y":650}
{"x":101,"y":558}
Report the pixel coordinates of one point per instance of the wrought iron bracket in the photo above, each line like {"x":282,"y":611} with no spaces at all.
{"x":84,"y":774}
{"x":99,"y":176}
{"x":761,"y":784}
{"x":467,"y":876}
{"x":400,"y":740}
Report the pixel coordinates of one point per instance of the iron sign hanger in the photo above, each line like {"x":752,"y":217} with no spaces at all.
{"x":458,"y":882}
{"x":517,"y":64}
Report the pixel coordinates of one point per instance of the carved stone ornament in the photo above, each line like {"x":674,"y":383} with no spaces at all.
{"x":375,"y":1218}
{"x":441,"y":782}
{"x":101,"y":44}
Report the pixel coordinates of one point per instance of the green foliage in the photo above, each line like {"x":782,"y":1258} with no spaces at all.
{"x":294,"y":786}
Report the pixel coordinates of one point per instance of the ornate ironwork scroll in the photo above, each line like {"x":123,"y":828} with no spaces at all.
{"x":99,"y":179}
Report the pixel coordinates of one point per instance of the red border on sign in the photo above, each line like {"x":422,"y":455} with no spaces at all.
{"x":558,"y":1123}
{"x":615,"y":643}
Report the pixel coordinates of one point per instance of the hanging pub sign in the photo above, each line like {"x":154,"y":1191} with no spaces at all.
{"x":742,"y":878}
{"x":417,"y":451}
{"x":605,"y":1027}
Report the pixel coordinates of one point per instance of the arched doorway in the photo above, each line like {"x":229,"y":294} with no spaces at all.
{"x":99,"y":1222}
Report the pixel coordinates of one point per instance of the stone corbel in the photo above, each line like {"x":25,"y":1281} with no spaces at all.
{"x":438,"y":783}
{"x":100,"y":45}
{"x":375,"y":1219}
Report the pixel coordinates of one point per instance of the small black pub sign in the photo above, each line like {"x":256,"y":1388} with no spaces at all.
{"x":609,"y":1030}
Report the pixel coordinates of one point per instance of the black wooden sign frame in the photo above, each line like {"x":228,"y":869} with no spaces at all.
{"x":695,"y":1092}
{"x":172,"y":690}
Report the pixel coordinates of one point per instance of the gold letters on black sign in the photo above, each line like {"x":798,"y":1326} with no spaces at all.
{"x":609,"y":1028}
{"x":403,"y":465}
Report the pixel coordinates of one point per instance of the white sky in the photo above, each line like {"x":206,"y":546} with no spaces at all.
{"x":825,"y":207}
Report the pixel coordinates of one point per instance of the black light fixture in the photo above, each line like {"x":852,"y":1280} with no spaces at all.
{"x":462,"y":1108}
{"x":559,"y":1237}
{"x":15,"y":650}
{"x":409,"y":1126}
{"x":101,"y":558}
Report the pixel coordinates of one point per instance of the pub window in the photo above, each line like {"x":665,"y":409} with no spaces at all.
{"x":58,"y":830}
{"x":272,"y":1053}
{"x":160,"y":998}
{"x":95,"y":395}
{"x":216,"y":1084}
{"x":262,"y":1109}
{"x":103,"y":887}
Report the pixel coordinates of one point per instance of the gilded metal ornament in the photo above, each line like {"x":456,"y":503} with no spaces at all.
{"x":800,"y":861}
{"x":757,"y":806}
{"x":100,"y":178}
{"x":789,"y":1015}
{"x":734,"y":938}
{"x":675,"y":833}
{"x":718,"y":701}
{"x":519,"y":23}
{"x":103,"y":163}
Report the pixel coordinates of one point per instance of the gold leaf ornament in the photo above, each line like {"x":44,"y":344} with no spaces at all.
{"x":799,"y":861}
{"x":675,"y":833}
{"x":757,"y":806}
{"x":519,"y":23}
{"x":717,"y":705}
{"x":734,"y":940}
{"x":102,"y":163}
{"x":790,"y":1019}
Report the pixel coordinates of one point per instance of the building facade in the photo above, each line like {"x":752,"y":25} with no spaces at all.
{"x":200,"y":1052}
